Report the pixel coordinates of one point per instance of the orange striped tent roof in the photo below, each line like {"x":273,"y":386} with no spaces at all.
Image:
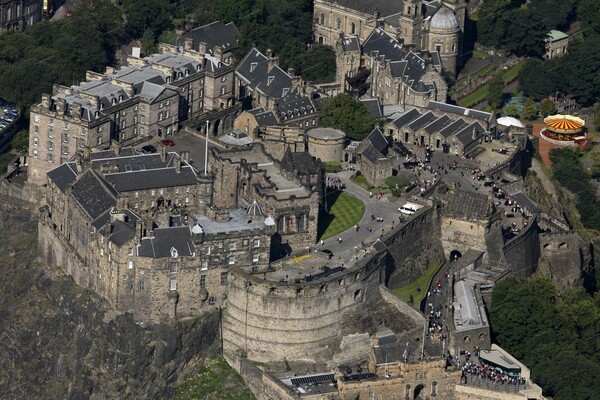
{"x":564,"y":123}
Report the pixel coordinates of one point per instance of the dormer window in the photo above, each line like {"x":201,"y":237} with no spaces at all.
{"x":198,"y":68}
{"x":285,"y":91}
{"x":121,"y":98}
{"x":114,"y":101}
{"x":180,"y":75}
{"x":168,"y":79}
{"x":269,"y":80}
{"x":252,"y":66}
{"x":187,"y":72}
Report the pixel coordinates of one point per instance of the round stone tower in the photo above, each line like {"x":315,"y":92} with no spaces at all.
{"x":444,"y":34}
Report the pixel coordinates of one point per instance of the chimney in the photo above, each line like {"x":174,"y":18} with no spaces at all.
{"x":86,"y":152}
{"x":273,"y":61}
{"x":116,"y":147}
{"x":202,"y":48}
{"x":185,"y":156}
{"x":178,"y":164}
{"x":218,"y":52}
{"x":163,"y":153}
{"x":376,"y":14}
{"x":109,"y":70}
{"x":474,"y":134}
{"x":291,"y":72}
{"x":187,"y":43}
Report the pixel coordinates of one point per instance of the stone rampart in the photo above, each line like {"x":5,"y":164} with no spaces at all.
{"x":523,"y":252}
{"x":269,"y":321}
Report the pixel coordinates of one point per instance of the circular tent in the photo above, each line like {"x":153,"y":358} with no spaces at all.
{"x":565,"y":130}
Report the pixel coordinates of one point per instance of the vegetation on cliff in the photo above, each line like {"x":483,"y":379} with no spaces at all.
{"x":555,"y":336}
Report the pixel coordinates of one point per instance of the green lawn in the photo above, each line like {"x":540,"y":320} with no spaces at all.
{"x":345,"y":211}
{"x":480,"y":55}
{"x":481,"y":94}
{"x":215,"y":381}
{"x":482,"y":71}
{"x":362,"y":182}
{"x":417,"y":288}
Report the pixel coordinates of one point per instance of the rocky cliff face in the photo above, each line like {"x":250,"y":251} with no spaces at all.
{"x":58,"y":341}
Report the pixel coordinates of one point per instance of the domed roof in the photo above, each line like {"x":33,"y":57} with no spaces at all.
{"x":510,"y":121}
{"x":197,"y":229}
{"x":269,"y":221}
{"x":444,"y":19}
{"x":254,"y":209}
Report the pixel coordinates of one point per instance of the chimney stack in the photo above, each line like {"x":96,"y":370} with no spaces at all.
{"x":178,"y":164}
{"x":163,"y":153}
{"x":187,"y":43}
{"x":272,"y":61}
{"x":474,"y":134}
{"x":202,"y":48}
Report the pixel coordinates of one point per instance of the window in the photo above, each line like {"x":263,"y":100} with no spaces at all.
{"x":353,"y":28}
{"x":204,"y":265}
{"x":35,"y":141}
{"x":123,"y":113}
{"x":99,"y":140}
{"x":129,"y":264}
{"x":255,"y":258}
{"x":36,"y":118}
{"x":124,"y":278}
{"x":174,"y":267}
{"x":168,"y":102}
{"x":321,"y":18}
{"x":202,"y":281}
{"x":338,"y":24}
{"x":232,"y":246}
{"x":161,"y":105}
{"x":35,"y":154}
{"x":245,"y":242}
{"x":223,"y":278}
{"x":256,"y":243}
{"x":130,"y":251}
{"x":231,"y":260}
{"x":142,"y":119}
{"x":300,"y":222}
{"x":50,"y":157}
{"x":223,"y":90}
{"x":223,"y":78}
{"x":211,"y":300}
{"x":173,"y":284}
{"x":141,"y":285}
{"x":36,"y":129}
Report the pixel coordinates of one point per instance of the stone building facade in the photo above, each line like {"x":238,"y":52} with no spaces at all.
{"x":18,"y":15}
{"x":434,"y":26}
{"x":150,"y":97}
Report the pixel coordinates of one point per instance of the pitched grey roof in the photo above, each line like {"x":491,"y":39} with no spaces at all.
{"x":406,"y":118}
{"x":371,"y":153}
{"x":415,"y":68}
{"x":463,"y":204}
{"x":454,"y":127}
{"x":378,"y":140}
{"x":423,"y":120}
{"x":293,"y":106}
{"x":63,"y":175}
{"x":214,"y":34}
{"x":465,"y":135}
{"x":438,"y":124}
{"x":236,"y":138}
{"x":126,"y":161}
{"x":380,"y":44}
{"x":165,"y":239}
{"x":253,"y":69}
{"x":151,"y":179}
{"x":374,"y":107}
{"x":92,"y":195}
{"x":467,"y":112}
{"x":267,"y":118}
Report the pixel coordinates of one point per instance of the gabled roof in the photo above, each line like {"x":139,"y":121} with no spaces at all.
{"x":423,"y":120}
{"x":165,"y":240}
{"x":438,"y":124}
{"x":93,"y":195}
{"x":63,"y":175}
{"x":378,"y":140}
{"x":214,"y":34}
{"x":454,"y":127}
{"x":150,"y":179}
{"x":371,"y":153}
{"x":406,"y":118}
{"x":465,"y":135}
{"x":374,"y":107}
{"x":350,"y":43}
{"x":381,"y":44}
{"x":463,"y":204}
{"x":253,"y":69}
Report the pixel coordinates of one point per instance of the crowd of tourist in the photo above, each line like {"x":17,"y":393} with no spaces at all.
{"x":495,"y":375}
{"x":335,"y":183}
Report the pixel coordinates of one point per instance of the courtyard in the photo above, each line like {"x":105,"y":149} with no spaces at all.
{"x":345,"y":211}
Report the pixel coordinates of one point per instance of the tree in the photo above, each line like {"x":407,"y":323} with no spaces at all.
{"x":148,"y":14}
{"x":496,"y":90}
{"x":318,"y":63}
{"x":525,"y":34}
{"x":597,"y":117}
{"x":588,"y":12}
{"x":529,"y":110}
{"x":511,"y":110}
{"x":347,"y":114}
{"x":547,"y":107}
{"x":20,"y":142}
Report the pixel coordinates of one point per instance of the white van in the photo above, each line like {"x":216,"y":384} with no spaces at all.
{"x":409,"y":208}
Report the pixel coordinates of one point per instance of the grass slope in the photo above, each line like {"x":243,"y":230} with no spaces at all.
{"x":216,"y":380}
{"x":417,"y":288}
{"x":344,"y":212}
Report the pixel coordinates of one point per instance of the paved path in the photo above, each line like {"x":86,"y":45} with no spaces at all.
{"x":388,"y":210}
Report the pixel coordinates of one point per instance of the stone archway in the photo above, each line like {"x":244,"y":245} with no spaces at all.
{"x":217,"y":128}
{"x":455,"y":255}
{"x":419,"y":391}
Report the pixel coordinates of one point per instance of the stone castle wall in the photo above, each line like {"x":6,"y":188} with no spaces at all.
{"x":270,"y":321}
{"x":523,"y":252}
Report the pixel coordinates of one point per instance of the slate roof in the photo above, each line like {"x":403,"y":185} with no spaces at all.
{"x":63,"y":175}
{"x":470,"y":205}
{"x":378,"y":141}
{"x":438,"y":124}
{"x":293,"y":106}
{"x":253,"y":69}
{"x":385,"y":7}
{"x":452,"y":128}
{"x":465,"y":135}
{"x":150,"y":179}
{"x":121,"y":232}
{"x":381,"y":44}
{"x":350,"y":43}
{"x":371,"y":153}
{"x":236,"y":138}
{"x":423,"y":120}
{"x":214,"y":34}
{"x":92,"y":195}
{"x":135,"y":162}
{"x":159,"y":246}
{"x":267,"y":118}
{"x":467,"y":112}
{"x":374,"y":107}
{"x":406,"y":118}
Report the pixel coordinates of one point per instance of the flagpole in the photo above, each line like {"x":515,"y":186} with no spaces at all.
{"x":206,"y":151}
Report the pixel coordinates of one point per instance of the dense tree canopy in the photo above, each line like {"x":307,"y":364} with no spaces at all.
{"x":155,"y":15}
{"x":58,"y":52}
{"x":347,"y":114}
{"x":556,"y":336}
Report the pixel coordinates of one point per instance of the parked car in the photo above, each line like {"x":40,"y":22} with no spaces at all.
{"x":167,"y":143}
{"x":148,"y":149}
